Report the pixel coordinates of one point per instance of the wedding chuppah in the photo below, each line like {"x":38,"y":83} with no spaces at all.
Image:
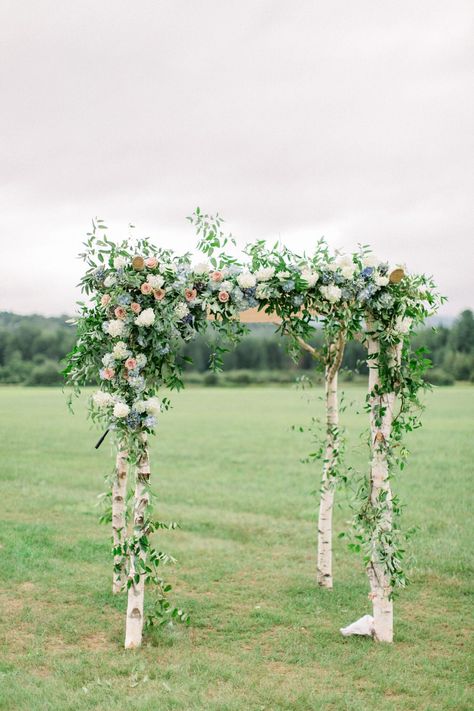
{"x":144,"y":301}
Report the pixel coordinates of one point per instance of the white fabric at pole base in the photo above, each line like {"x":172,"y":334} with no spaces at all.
{"x":364,"y":626}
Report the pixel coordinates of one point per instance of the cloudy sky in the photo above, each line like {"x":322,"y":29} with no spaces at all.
{"x":349,"y":119}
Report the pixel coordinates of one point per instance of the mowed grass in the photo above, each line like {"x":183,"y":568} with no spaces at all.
{"x":226,"y":465}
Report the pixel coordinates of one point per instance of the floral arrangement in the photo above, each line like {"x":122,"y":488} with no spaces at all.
{"x":144,"y":301}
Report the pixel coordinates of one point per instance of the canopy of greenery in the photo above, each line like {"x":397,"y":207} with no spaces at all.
{"x":32,"y":347}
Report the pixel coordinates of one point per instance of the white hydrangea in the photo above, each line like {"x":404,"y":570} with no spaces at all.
{"x":120,"y":351}
{"x":139,"y":406}
{"x":102,"y":399}
{"x":370,"y":260}
{"x":331,"y":293}
{"x":181,"y":310}
{"x":246,"y":280}
{"x":265,"y":273}
{"x":310,"y":277}
{"x":283,"y":275}
{"x":110,"y":280}
{"x":402,"y":325}
{"x":146,"y":318}
{"x":119,"y":262}
{"x":226,"y":286}
{"x":381,"y":280}
{"x":116,"y":328}
{"x":201,"y":268}
{"x":155,"y":281}
{"x":121,"y":409}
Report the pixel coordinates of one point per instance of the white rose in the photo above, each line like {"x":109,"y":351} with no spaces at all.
{"x":402,"y":325}
{"x":102,"y":399}
{"x":120,"y":351}
{"x":381,"y":280}
{"x":181,"y":310}
{"x":246,"y":280}
{"x":153,"y":406}
{"x":121,"y":410}
{"x":265,"y":273}
{"x":201,"y":268}
{"x":332,"y":293}
{"x":370,"y":260}
{"x":116,"y":328}
{"x":110,"y":280}
{"x":348,"y":271}
{"x":146,"y":318}
{"x":119,"y":262}
{"x":156,"y":282}
{"x":310,"y":277}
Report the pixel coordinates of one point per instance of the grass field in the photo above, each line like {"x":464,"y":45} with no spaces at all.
{"x":263,"y":637}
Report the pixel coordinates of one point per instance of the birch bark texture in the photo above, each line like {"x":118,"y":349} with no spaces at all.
{"x":119,"y":523}
{"x":382,"y":406}
{"x":328,"y":484}
{"x":136,"y":591}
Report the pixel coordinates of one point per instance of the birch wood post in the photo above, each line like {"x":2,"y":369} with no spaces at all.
{"x":381,"y":417}
{"x":328,"y":485}
{"x":136,"y":591}
{"x":119,"y":525}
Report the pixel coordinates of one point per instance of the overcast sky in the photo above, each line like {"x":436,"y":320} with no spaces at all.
{"x":350,"y":119}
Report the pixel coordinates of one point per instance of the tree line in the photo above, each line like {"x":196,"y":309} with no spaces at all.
{"x":32,"y":348}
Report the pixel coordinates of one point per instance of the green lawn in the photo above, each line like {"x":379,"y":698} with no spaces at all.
{"x":263,"y":637}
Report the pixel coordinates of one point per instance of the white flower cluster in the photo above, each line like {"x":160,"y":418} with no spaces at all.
{"x":181,"y":310}
{"x":120,"y":351}
{"x":121,"y":409}
{"x":155,"y":281}
{"x":152,"y":406}
{"x":265,"y":273}
{"x":347,"y":267}
{"x":116,"y":328}
{"x":119,"y":262}
{"x":146,"y":318}
{"x":246,"y":280}
{"x":201,"y":269}
{"x":309,"y":276}
{"x":331,"y":293}
{"x":101,"y":399}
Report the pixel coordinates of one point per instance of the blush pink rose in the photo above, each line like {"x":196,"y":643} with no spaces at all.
{"x":151,"y":262}
{"x":105,"y":299}
{"x":190,"y":294}
{"x":159,"y":294}
{"x":217,"y":276}
{"x":108,"y":373}
{"x":223,"y":296}
{"x":146,"y":288}
{"x":136,"y":308}
{"x":130,"y":363}
{"x":120,"y":312}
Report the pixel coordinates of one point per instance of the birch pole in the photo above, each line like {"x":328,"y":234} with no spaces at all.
{"x":136,"y":591}
{"x":119,"y":523}
{"x":382,"y":406}
{"x":328,"y":484}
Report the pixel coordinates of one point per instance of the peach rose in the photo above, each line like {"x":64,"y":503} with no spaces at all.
{"x":151,"y":262}
{"x":146,"y":288}
{"x":190,"y":294}
{"x":108,"y":373}
{"x":105,"y":299}
{"x":130,"y":363}
{"x":217,"y":276}
{"x":159,"y":294}
{"x":120,"y":312}
{"x":223,"y":296}
{"x":136,"y":308}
